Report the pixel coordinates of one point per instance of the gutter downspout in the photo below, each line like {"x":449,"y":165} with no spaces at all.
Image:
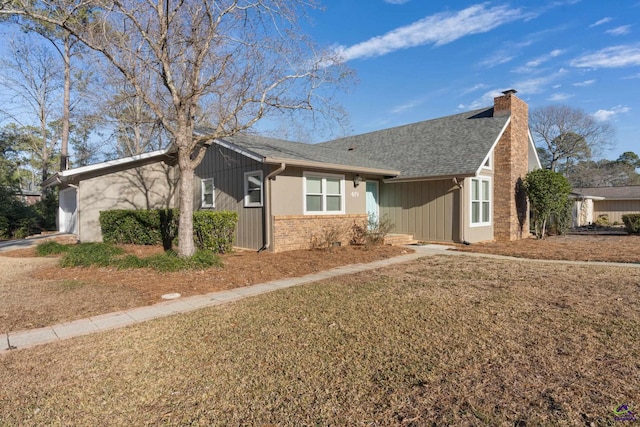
{"x":267,"y":208}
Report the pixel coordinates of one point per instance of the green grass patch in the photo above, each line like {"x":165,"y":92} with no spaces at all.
{"x":88,"y":254}
{"x":170,"y":261}
{"x":51,"y":247}
{"x":105,"y":255}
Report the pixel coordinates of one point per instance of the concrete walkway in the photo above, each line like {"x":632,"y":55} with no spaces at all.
{"x":10,"y":245}
{"x":120,"y":319}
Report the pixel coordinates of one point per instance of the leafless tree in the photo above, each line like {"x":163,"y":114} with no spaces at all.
{"x":35,"y":80}
{"x":566,"y":134}
{"x":226,"y":64}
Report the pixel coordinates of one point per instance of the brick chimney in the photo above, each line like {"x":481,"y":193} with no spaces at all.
{"x":511,"y":164}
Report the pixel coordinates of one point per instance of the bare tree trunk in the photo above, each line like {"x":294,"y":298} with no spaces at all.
{"x":45,"y":150}
{"x":64,"y":150}
{"x":186,"y":246}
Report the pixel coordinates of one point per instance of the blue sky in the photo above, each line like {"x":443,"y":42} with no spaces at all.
{"x":418,"y":59}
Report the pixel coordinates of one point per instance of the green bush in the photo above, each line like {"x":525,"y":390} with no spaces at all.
{"x":17,"y":220}
{"x":87,"y":254}
{"x":603,"y":220}
{"x":139,"y":227}
{"x":51,"y":247}
{"x":214,"y":230}
{"x":632,"y":223}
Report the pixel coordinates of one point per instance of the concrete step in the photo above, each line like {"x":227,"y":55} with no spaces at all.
{"x":399,"y":239}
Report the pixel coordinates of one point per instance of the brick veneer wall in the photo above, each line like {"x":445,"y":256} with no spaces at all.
{"x":293,"y":232}
{"x":511,"y":163}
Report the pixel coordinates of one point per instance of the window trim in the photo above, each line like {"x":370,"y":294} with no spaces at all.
{"x":203,"y":204}
{"x":481,"y":201}
{"x":323,"y":177}
{"x":247,"y":202}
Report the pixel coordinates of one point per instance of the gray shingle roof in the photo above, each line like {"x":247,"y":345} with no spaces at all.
{"x":631,"y":192}
{"x":271,"y":148}
{"x":448,"y":146}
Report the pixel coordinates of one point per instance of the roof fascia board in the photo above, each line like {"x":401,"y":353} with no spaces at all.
{"x":111,"y":163}
{"x":427,"y":178}
{"x":586,"y":196}
{"x":239,"y":150}
{"x":534,"y":149}
{"x":332,"y":166}
{"x":63,"y":176}
{"x":493,"y":146}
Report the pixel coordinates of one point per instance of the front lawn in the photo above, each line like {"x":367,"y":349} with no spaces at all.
{"x":439,"y":341}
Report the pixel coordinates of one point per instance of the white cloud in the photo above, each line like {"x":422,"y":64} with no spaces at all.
{"x":602,"y":21}
{"x":603,"y":115}
{"x":438,"y":29}
{"x":475,"y":88}
{"x":497,"y":58}
{"x":559,"y":97}
{"x":531,"y":65}
{"x":398,"y":109}
{"x":610,"y":57}
{"x":585,"y":83}
{"x":619,"y":31}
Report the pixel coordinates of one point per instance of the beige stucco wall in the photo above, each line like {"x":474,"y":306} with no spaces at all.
{"x":151,"y":186}
{"x":287,"y":192}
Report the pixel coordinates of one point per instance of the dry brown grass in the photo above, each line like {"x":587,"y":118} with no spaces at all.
{"x":439,"y":341}
{"x":39,"y":293}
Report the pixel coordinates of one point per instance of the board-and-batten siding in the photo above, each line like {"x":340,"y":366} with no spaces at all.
{"x":615,"y":209}
{"x":227,"y":169}
{"x":425,"y":209}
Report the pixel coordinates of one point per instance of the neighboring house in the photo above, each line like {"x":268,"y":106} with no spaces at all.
{"x":145,"y":181}
{"x":614,"y":202}
{"x":451,"y":179}
{"x":30,"y":197}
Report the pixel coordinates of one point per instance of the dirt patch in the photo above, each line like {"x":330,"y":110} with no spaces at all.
{"x":39,"y":293}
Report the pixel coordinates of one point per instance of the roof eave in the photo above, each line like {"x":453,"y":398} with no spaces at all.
{"x":331,"y":166}
{"x":430,"y":178}
{"x":63,"y":176}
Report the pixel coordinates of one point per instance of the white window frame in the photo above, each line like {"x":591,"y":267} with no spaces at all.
{"x":247,"y":201}
{"x":203,"y":203}
{"x":323,"y":193}
{"x":481,"y":201}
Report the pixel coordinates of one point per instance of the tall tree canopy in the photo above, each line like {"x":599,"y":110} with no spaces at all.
{"x":222,"y":64}
{"x":566,"y":135}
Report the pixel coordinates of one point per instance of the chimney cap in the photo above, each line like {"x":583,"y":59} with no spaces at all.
{"x":510,"y":92}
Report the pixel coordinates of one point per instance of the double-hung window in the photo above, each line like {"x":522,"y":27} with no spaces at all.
{"x":480,"y":201}
{"x":253,"y":189}
{"x":323,"y":194}
{"x":208,"y":193}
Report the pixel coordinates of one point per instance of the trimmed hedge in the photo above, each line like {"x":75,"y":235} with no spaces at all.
{"x":632,"y":223}
{"x":140,"y":227}
{"x":212,"y":230}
